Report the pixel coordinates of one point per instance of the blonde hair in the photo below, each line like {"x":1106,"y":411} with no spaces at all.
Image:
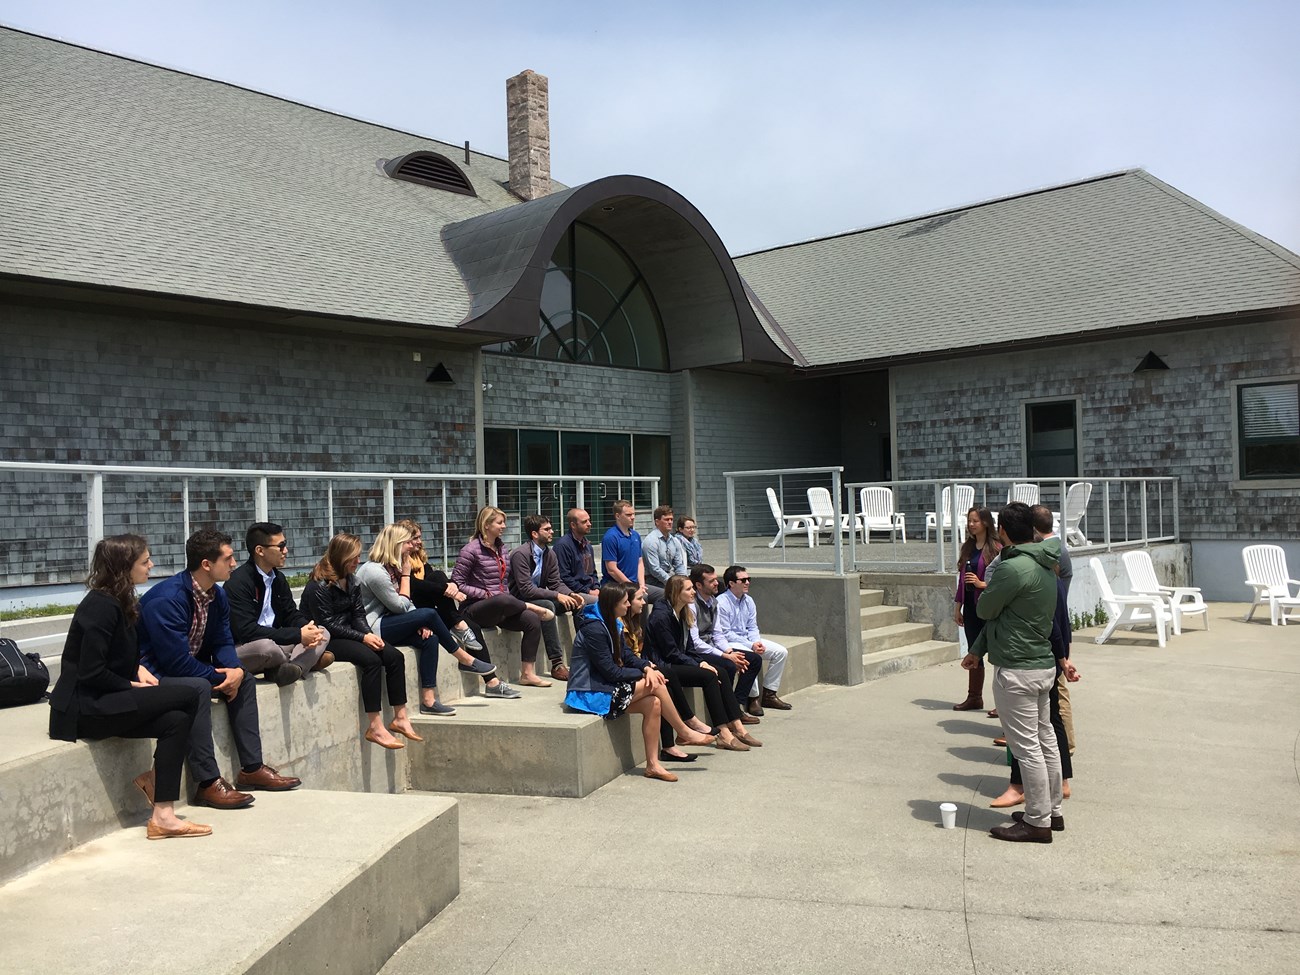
{"x":485,"y":515}
{"x":387,"y":549}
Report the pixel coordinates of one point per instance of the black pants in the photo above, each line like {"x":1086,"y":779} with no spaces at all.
{"x":731,"y":675}
{"x":429,"y":595}
{"x":242,"y":712}
{"x":373,"y":665}
{"x":723,"y":707}
{"x":683,"y":706}
{"x":165,"y":712}
{"x":509,"y":613}
{"x":1062,"y":743}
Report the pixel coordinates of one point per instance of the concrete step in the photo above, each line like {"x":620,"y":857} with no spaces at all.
{"x":928,"y":653}
{"x":874,"y":617}
{"x":534,"y":746}
{"x":304,"y":881}
{"x":871,"y":597}
{"x":895,"y":635}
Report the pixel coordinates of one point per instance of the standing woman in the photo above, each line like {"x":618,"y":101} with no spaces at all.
{"x":979,"y":549}
{"x":333,"y":599}
{"x":103,"y":692}
{"x":607,"y":680}
{"x":385,"y":583}
{"x":668,"y":637}
{"x":482,"y":575}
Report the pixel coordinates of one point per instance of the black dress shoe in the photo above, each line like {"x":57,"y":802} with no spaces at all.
{"x":1058,"y":822}
{"x":1022,"y":832}
{"x":667,"y":757}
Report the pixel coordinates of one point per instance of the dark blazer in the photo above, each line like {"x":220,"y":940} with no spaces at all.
{"x":166,"y":611}
{"x":591,"y":665}
{"x":245,"y":591}
{"x":522,"y":564}
{"x":339,"y":610}
{"x":100,"y":660}
{"x":667,"y":639}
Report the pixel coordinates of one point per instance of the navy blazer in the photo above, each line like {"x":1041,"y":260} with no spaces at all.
{"x":100,"y":660}
{"x":591,"y":665}
{"x":667,"y":638}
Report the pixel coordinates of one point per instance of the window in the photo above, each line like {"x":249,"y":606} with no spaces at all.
{"x":1268,"y":423}
{"x":595,"y":308}
{"x":1051,"y":440}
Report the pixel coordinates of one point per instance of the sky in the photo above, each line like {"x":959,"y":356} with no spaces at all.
{"x":784,"y":121}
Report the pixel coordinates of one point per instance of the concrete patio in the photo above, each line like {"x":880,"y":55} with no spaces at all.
{"x":821,"y":852}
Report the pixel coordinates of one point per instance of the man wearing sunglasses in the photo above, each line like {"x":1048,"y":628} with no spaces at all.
{"x":737,"y":625}
{"x":272,"y":636}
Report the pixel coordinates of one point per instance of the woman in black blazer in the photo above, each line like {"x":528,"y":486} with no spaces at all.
{"x":103,"y":692}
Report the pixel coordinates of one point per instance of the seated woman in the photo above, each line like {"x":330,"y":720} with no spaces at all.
{"x":481,"y":573}
{"x":103,"y":692}
{"x":333,"y":599}
{"x":385,"y":584}
{"x":668,"y":641}
{"x":686,"y":535}
{"x":634,"y":641}
{"x":431,"y":589}
{"x":607,"y":680}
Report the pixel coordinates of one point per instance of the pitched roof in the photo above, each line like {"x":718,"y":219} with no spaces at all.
{"x":127,"y":175}
{"x":1119,"y":250}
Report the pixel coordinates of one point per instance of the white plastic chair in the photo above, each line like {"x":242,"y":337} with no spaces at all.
{"x":1266,"y":573}
{"x":1026,"y":493}
{"x":1077,"y":496}
{"x":965,"y":501}
{"x":1181,"y":600}
{"x":822,"y":506}
{"x":878,"y":514}
{"x":1129,"y":610}
{"x":785,"y":524}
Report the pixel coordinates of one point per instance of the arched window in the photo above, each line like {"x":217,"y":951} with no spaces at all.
{"x":595,"y":308}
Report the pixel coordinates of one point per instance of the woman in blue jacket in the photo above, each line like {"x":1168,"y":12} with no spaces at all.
{"x":605,"y":679}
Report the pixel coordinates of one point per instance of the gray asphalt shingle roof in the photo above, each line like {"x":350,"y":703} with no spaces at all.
{"x":129,"y":175}
{"x":1119,"y":250}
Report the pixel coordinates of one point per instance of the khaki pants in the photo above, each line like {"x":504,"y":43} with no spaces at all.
{"x":256,"y":656}
{"x":1063,"y":695}
{"x":1025,"y":712}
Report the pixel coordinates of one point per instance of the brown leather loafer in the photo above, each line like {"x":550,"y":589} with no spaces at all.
{"x":560,"y":672}
{"x":735,"y":745}
{"x":156,"y":832}
{"x":749,"y":740}
{"x":748,"y":719}
{"x":1058,"y":822}
{"x":144,"y":782}
{"x":770,"y":700}
{"x":325,"y":660}
{"x":267,"y":778}
{"x":220,"y":795}
{"x":754,"y":707}
{"x":1022,"y":832}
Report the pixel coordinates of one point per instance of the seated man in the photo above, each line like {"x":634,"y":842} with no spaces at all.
{"x":661,"y":551}
{"x":535,"y":578}
{"x":620,"y":553}
{"x":737,"y":624}
{"x":690,"y":544}
{"x":740,"y":667}
{"x":272,"y":635}
{"x":185,"y":637}
{"x":577,"y":559}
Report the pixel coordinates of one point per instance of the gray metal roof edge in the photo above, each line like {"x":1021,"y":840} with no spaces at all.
{"x":254,"y":91}
{"x":939,"y":213}
{"x":1273,"y":247}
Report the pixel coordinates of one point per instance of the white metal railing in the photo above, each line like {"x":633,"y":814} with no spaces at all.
{"x":743,"y":489}
{"x":525,"y":494}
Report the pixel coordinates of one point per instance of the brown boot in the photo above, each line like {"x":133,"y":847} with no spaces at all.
{"x":974,"y":691}
{"x":770,"y":700}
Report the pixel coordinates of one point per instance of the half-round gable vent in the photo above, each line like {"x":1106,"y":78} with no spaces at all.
{"x":430,"y":169}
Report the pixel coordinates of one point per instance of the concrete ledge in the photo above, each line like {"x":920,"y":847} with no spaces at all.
{"x":913,"y":657}
{"x":822,"y":605}
{"x":305,"y":881}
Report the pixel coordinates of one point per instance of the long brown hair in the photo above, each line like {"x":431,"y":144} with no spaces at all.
{"x":611,"y":594}
{"x":333,"y":565}
{"x":672,"y":592}
{"x":110,"y":570}
{"x":990,"y":539}
{"x":632,"y":621}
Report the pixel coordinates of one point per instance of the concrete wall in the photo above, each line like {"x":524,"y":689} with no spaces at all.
{"x":817,"y":604}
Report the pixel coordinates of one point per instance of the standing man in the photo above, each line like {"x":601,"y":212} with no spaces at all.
{"x":737,"y":624}
{"x":1043,"y":525}
{"x":272,"y":635}
{"x":185,"y":636}
{"x":662,"y":553}
{"x":1017,"y":608}
{"x":535,"y":578}
{"x":620,"y":551}
{"x":576,"y":558}
{"x":740,"y":668}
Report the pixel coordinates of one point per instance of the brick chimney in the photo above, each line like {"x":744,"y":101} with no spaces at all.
{"x":529,"y":134}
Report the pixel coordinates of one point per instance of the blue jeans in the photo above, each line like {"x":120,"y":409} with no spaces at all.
{"x":403,"y":628}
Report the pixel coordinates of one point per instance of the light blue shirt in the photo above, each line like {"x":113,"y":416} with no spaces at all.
{"x":737,"y":620}
{"x":538,"y":553}
{"x":267,"y":616}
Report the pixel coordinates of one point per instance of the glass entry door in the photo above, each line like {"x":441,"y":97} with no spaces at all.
{"x":601,"y":459}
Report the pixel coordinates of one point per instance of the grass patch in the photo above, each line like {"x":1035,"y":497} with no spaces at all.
{"x":35,"y":612}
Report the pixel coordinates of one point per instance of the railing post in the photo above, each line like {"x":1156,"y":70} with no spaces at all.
{"x":446,"y":555}
{"x":731,"y":520}
{"x":94,"y":513}
{"x":185,"y":509}
{"x":853,"y":533}
{"x":1144,"y":512}
{"x":581,"y":498}
{"x":389,"y":516}
{"x":492,"y":493}
{"x":837,"y":513}
{"x":938,"y":520}
{"x":329,"y":500}
{"x":260,"y":506}
{"x":1174,"y":491}
{"x":1105,"y":495}
{"x":654,"y":494}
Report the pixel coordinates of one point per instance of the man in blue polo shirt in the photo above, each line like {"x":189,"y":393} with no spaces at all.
{"x":620,"y":551}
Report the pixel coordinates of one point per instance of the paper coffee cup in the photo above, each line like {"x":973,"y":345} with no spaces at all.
{"x":948,"y":810}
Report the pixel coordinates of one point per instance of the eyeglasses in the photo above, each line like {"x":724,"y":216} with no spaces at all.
{"x":282,"y":546}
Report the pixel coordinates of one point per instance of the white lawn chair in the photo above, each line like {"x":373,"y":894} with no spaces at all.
{"x":1129,"y":610}
{"x":878,"y":514}
{"x":1181,"y":600}
{"x":1077,"y":496}
{"x":785,"y":524}
{"x":822,"y":506}
{"x":1266,"y":573}
{"x":1026,"y":493}
{"x":965,"y":501}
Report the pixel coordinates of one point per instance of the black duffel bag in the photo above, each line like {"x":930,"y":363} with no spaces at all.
{"x":23,"y":678}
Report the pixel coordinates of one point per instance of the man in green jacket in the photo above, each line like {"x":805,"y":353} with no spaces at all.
{"x":1017,"y":608}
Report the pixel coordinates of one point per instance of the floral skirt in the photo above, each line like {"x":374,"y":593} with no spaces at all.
{"x":620,"y":699}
